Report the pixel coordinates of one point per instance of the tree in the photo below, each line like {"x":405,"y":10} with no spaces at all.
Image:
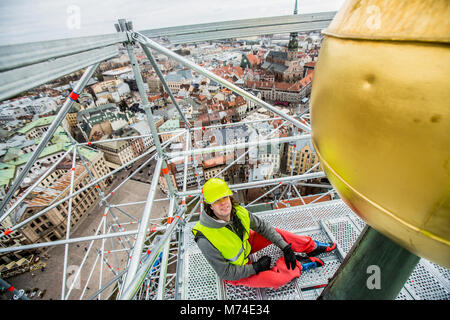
{"x":245,"y":63}
{"x":123,"y":106}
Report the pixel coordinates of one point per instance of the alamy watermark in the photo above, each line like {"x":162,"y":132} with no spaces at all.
{"x":374,"y":280}
{"x":73,"y":21}
{"x":72,"y":270}
{"x":373,"y":22}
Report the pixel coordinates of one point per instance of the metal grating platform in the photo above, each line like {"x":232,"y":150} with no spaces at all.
{"x":326,"y":221}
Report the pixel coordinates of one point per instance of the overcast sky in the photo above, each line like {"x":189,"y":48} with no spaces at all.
{"x":38,"y":20}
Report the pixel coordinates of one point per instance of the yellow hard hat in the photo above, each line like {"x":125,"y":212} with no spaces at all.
{"x":215,"y":189}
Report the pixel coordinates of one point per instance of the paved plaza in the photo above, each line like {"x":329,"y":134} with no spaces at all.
{"x":49,"y":280}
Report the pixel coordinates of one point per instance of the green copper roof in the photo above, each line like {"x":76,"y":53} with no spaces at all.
{"x":8,"y":169}
{"x":37,"y":123}
{"x":6,"y":174}
{"x":170,"y":125}
{"x":12,"y":154}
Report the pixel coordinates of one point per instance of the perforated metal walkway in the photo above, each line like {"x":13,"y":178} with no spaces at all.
{"x":327,"y":221}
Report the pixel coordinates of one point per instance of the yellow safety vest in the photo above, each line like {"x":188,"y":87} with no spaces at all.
{"x":229,"y":244}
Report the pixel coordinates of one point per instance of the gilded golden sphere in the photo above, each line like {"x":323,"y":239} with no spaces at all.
{"x":380,"y":118}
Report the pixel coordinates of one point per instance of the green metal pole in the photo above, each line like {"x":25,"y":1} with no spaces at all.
{"x":376,"y":268}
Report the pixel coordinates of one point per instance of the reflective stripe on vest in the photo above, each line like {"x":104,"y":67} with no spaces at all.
{"x":238,"y":255}
{"x":228,"y":243}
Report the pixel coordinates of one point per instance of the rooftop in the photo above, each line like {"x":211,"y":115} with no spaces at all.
{"x":45,"y":121}
{"x":170,"y":125}
{"x":46,"y":196}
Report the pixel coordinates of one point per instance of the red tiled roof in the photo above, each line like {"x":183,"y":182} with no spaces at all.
{"x":228,"y":71}
{"x":253,"y":59}
{"x":285,"y":86}
{"x":217,"y":161}
{"x":239,"y":101}
{"x":307,"y":79}
{"x":307,"y":199}
{"x":159,"y":96}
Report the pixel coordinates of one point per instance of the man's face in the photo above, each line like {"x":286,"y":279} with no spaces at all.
{"x":222,"y":208}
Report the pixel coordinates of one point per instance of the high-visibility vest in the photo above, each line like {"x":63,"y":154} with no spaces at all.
{"x":232,"y":248}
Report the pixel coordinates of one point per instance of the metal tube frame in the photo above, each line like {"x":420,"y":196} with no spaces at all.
{"x":143,"y":40}
{"x":137,"y":250}
{"x":164,"y":82}
{"x":69,"y":217}
{"x":144,"y":98}
{"x":135,"y":276}
{"x":49,"y":134}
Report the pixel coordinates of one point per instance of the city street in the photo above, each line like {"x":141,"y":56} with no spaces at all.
{"x":49,"y":280}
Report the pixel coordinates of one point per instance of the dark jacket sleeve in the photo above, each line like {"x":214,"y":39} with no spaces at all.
{"x":265,"y":229}
{"x":224,"y":269}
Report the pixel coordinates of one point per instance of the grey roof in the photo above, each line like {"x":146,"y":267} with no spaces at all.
{"x":142,"y":127}
{"x":179,"y":75}
{"x":300,"y":144}
{"x":5,"y":133}
{"x":277,"y":55}
{"x":230,"y":135}
{"x":96,"y":111}
{"x":274,"y":67}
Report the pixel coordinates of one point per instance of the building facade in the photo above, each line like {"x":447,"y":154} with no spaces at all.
{"x":52,"y":225}
{"x":116,"y":153}
{"x":301,"y":157}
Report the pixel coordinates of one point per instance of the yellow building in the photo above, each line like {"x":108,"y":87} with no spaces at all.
{"x":301,"y":157}
{"x":71,"y":116}
{"x":117,"y":153}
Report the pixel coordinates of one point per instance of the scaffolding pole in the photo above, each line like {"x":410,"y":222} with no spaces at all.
{"x":69,"y":217}
{"x":73,"y":240}
{"x":241,"y":145}
{"x":137,"y":250}
{"x":261,"y":183}
{"x":129,"y":292}
{"x":42,"y":177}
{"x":163,"y":81}
{"x":49,"y":134}
{"x":270,"y":191}
{"x":93,"y":183}
{"x":155,"y":46}
{"x":142,"y":92}
{"x":164,"y":259}
{"x":102,"y":221}
{"x":249,"y":149}
{"x":17,"y":294}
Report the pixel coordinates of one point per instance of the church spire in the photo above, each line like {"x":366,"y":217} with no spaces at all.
{"x":293,"y":42}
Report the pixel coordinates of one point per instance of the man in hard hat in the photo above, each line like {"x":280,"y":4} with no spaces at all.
{"x":227,"y":234}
